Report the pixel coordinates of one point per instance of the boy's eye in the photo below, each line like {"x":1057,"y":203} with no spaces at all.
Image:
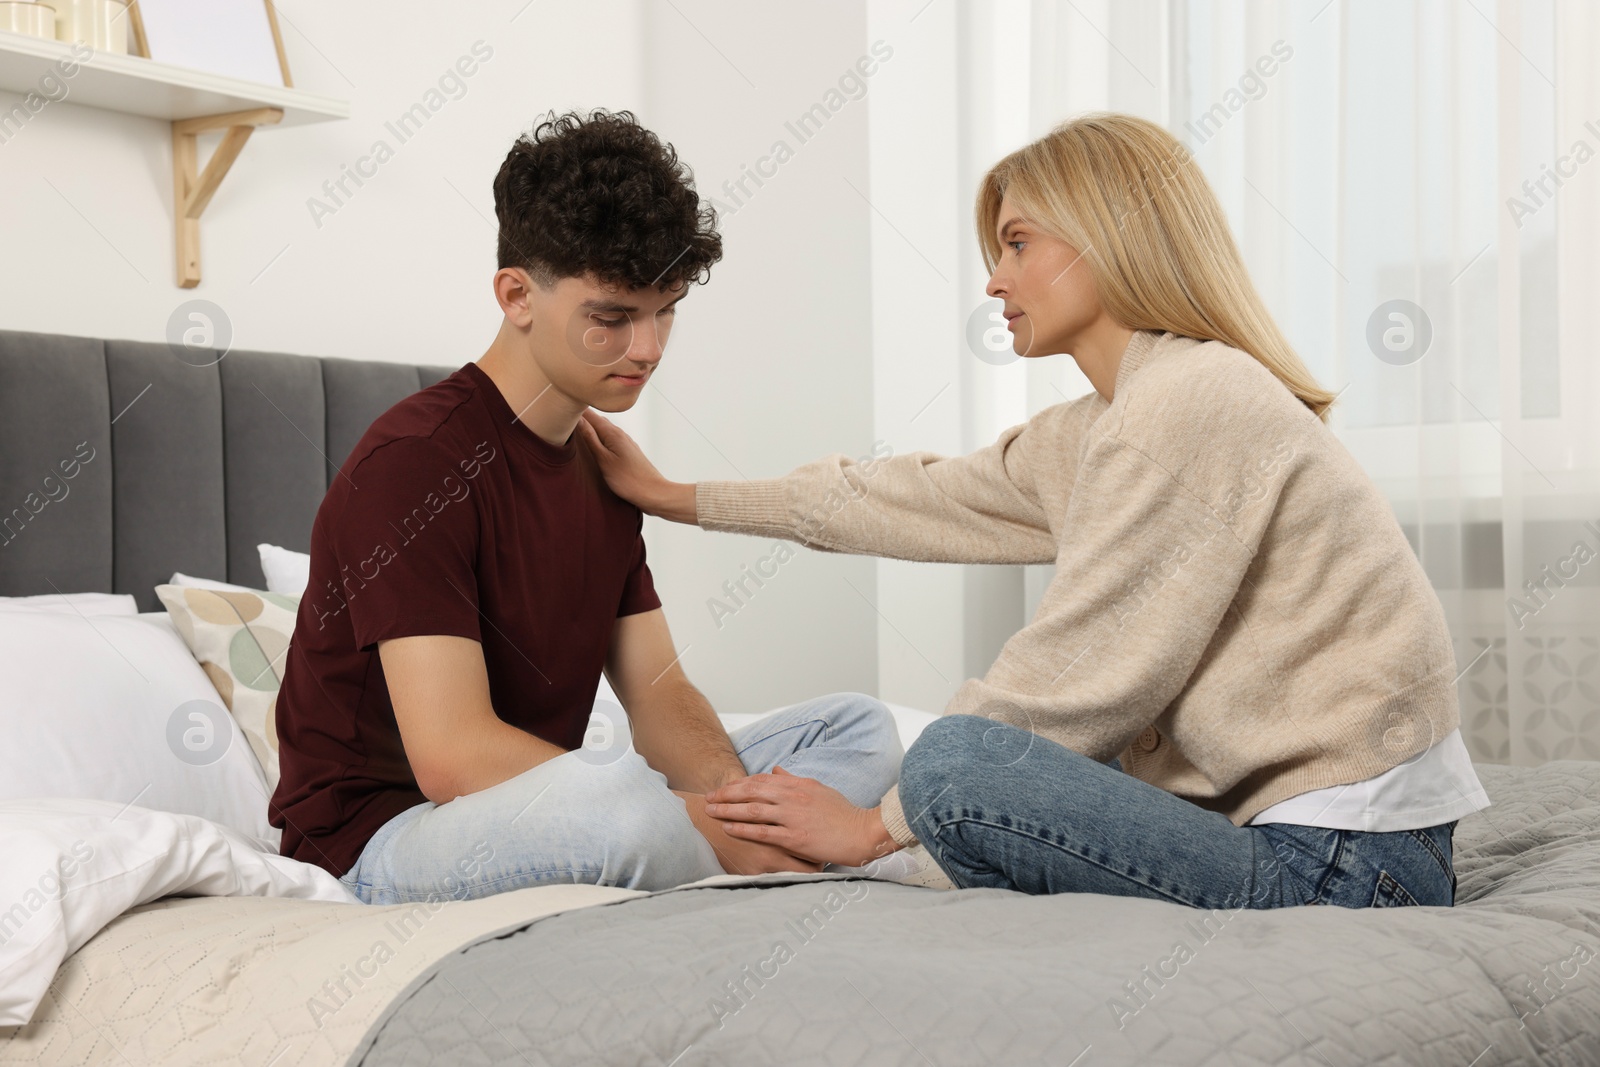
{"x":609,"y":322}
{"x":670,"y":310}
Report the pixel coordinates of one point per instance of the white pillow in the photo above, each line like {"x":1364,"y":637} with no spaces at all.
{"x":288,"y":573}
{"x":73,"y":603}
{"x":161,"y":619}
{"x":72,"y":866}
{"x":115,"y":708}
{"x":909,"y":721}
{"x":179,"y":578}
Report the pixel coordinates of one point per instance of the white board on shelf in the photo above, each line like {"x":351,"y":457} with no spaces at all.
{"x":228,"y":37}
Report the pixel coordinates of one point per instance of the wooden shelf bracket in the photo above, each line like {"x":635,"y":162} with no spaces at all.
{"x":192,"y":189}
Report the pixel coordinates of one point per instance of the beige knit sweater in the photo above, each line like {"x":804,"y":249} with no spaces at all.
{"x":1235,"y":611}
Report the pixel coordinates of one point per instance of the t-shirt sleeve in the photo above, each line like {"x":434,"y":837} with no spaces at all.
{"x":406,"y":544}
{"x":639,"y":590}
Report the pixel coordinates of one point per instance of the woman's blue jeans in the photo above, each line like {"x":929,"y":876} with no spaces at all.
{"x":999,"y":807}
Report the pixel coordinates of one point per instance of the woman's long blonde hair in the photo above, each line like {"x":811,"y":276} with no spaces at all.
{"x":1131,"y":199}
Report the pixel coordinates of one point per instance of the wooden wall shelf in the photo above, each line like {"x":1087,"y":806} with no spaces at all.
{"x":194,"y":101}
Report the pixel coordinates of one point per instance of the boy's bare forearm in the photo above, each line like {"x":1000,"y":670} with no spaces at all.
{"x":678,"y":733}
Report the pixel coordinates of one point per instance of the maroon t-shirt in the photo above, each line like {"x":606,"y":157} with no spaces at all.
{"x":449,"y":517}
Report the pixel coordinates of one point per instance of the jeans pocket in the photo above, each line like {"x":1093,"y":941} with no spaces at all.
{"x":1391,"y":894}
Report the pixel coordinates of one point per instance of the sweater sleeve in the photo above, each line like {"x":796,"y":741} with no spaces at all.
{"x":1149,"y":567}
{"x":894,"y":818}
{"x":978,"y":508}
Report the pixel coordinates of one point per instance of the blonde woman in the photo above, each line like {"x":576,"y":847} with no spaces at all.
{"x":1239,"y":687}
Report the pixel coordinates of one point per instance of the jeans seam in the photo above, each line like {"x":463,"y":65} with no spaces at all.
{"x":1339,"y":843}
{"x":390,"y":890}
{"x":1025,"y":830}
{"x":1445,"y":868}
{"x":828,"y":728}
{"x":1397,"y":890}
{"x":526,"y":871}
{"x":1308,"y":889}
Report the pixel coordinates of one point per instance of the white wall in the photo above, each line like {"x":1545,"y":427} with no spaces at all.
{"x":770,"y":364}
{"x":401,"y":271}
{"x":917,"y":320}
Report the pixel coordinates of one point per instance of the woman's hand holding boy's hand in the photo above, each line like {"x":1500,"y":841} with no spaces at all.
{"x":801,"y":816}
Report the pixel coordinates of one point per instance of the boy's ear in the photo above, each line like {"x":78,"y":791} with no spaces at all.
{"x":513,"y":289}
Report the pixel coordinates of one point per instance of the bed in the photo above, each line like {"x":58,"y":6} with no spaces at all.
{"x":231,"y":955}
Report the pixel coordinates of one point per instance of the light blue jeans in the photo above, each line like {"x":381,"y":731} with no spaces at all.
{"x":603,"y":816}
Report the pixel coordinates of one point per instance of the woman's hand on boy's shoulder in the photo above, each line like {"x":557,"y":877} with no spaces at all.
{"x":630,"y":474}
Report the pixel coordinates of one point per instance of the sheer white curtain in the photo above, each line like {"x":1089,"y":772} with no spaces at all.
{"x":1411,"y":184}
{"x":1410,"y":192}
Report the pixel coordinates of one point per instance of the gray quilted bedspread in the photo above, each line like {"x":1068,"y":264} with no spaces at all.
{"x":842,"y":972}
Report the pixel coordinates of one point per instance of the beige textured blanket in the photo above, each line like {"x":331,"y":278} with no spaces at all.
{"x":247,"y":980}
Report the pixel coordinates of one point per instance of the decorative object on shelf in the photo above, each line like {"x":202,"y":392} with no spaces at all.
{"x":236,"y":38}
{"x":100,"y":24}
{"x":192,"y":99}
{"x":36,"y":18}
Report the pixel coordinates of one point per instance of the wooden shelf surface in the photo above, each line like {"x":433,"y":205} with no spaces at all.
{"x":134,"y":85}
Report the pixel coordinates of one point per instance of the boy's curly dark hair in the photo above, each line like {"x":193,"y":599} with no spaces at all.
{"x":599,"y":194}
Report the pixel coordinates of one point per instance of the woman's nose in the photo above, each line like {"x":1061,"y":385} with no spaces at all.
{"x":996,"y":286}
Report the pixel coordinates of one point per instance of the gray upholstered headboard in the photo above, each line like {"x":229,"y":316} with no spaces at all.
{"x":173,"y":467}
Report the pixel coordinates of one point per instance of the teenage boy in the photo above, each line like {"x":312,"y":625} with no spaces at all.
{"x":471,"y":576}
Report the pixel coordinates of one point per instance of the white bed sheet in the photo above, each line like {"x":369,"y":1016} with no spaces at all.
{"x":72,"y":866}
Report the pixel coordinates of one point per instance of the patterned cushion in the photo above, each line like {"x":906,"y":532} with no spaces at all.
{"x":241,"y":641}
